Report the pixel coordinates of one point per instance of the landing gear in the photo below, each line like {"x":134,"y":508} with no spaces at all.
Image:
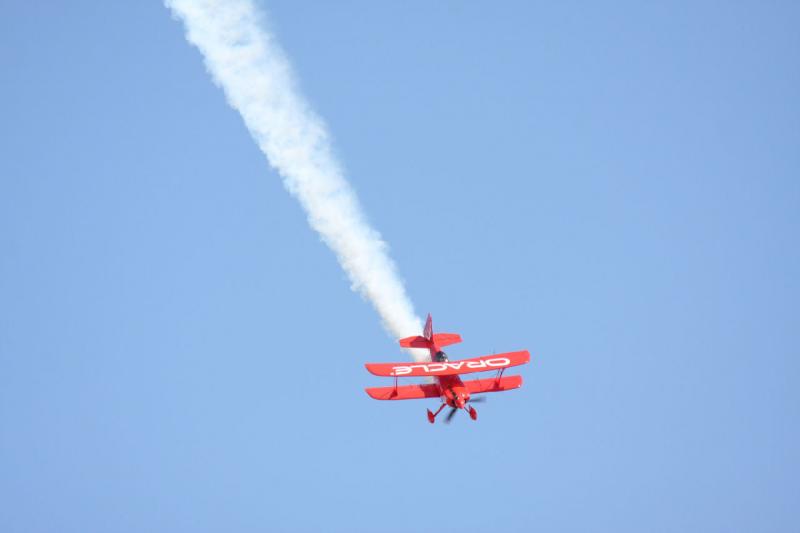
{"x":432,"y":416}
{"x":473,"y":414}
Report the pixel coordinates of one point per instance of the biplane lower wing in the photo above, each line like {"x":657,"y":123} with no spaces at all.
{"x":430,"y":390}
{"x":404,"y":392}
{"x":448,"y":368}
{"x":479,"y":386}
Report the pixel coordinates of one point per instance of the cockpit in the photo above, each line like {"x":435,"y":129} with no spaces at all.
{"x":440,"y":357}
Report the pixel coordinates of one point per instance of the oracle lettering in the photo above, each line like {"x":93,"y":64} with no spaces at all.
{"x":437,"y":368}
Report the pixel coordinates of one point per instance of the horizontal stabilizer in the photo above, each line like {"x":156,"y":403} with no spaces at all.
{"x":405,"y":392}
{"x":439,"y":339}
{"x":446,"y":339}
{"x":448,"y":368}
{"x":415,"y":342}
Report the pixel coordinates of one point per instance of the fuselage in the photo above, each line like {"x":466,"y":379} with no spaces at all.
{"x":453,"y":391}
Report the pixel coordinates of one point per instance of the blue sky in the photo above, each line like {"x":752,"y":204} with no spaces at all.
{"x":614,"y":188}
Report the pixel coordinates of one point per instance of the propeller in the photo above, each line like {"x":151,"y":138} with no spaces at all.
{"x":452,"y":413}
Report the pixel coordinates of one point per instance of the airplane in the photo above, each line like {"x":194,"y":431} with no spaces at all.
{"x":447,"y":385}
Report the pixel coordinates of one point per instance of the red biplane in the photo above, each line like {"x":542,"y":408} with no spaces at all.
{"x":447,"y":385}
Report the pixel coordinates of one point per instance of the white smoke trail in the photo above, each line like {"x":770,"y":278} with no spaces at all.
{"x":253,"y":71}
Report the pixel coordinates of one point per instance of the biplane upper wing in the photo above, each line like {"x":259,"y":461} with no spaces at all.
{"x":447,"y":368}
{"x":405,"y":392}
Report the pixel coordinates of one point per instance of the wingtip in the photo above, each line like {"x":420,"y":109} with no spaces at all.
{"x":371,"y":393}
{"x":370,"y":368}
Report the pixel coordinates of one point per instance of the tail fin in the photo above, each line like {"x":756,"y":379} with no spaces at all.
{"x":424,"y":341}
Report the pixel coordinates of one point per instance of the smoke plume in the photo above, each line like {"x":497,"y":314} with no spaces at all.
{"x":244,"y":59}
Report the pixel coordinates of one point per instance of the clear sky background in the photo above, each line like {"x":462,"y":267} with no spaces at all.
{"x":613,"y":187}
